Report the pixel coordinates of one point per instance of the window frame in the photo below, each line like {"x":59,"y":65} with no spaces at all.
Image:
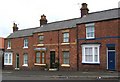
{"x":40,"y":58}
{"x":41,"y":41}
{"x":66,"y":58}
{"x":93,"y":46}
{"x":66,"y":37}
{"x":9,"y":59}
{"x":88,"y":26}
{"x":25,"y":64}
{"x":25,"y":42}
{"x":8,"y":44}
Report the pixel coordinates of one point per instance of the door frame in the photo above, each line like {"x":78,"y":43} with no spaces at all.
{"x":107,"y":57}
{"x":17,"y":55}
{"x":50,"y":58}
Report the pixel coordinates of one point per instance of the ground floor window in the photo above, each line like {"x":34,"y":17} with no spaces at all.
{"x":25,"y":59}
{"x":90,"y":53}
{"x":66,"y":57}
{"x":40,"y":58}
{"x":8,"y":58}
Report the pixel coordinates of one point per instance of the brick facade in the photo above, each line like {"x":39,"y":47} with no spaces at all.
{"x":106,"y":34}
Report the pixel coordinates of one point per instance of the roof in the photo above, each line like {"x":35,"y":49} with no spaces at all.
{"x":91,"y":17}
{"x":71,"y":23}
{"x":22,"y":33}
{"x":101,"y":15}
{"x":1,"y":43}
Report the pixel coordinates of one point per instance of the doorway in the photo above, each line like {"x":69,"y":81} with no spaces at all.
{"x":111,"y":58}
{"x":17,"y":61}
{"x":52,"y":59}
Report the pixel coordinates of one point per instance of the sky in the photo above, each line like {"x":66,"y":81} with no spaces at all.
{"x":27,"y":13}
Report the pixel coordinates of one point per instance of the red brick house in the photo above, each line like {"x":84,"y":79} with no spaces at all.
{"x":1,"y":51}
{"x":89,"y":42}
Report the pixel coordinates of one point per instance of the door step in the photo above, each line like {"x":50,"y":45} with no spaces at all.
{"x":53,"y":69}
{"x":17,"y":68}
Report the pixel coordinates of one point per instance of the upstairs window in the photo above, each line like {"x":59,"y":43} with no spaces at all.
{"x":25,"y":43}
{"x":66,"y":37}
{"x":41,"y":38}
{"x":9,"y":44}
{"x":90,"y":32}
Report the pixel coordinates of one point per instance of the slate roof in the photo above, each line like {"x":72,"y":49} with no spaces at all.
{"x":91,"y":17}
{"x":22,"y":33}
{"x":101,"y":15}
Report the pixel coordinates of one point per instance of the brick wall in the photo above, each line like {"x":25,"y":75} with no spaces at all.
{"x":103,"y":30}
{"x":50,"y":43}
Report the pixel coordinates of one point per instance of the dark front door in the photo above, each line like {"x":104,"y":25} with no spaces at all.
{"x":111,"y":60}
{"x":52,"y":59}
{"x":17,"y":60}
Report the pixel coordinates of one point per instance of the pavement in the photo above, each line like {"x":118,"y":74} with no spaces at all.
{"x":59,"y":75}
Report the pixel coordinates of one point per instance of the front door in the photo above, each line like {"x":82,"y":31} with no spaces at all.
{"x":111,"y":60}
{"x":52,"y":59}
{"x":17,"y":60}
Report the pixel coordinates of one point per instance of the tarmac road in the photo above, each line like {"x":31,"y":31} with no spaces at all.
{"x":58,"y":75}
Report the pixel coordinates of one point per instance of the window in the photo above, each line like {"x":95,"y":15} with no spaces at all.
{"x":25,"y":61}
{"x":40,"y":58}
{"x":66,"y":37}
{"x":90,"y":53}
{"x":25,"y":43}
{"x":90,"y":31}
{"x":43,"y":57}
{"x":65,"y":57}
{"x":8,"y":58}
{"x":9,"y":44}
{"x":41,"y":38}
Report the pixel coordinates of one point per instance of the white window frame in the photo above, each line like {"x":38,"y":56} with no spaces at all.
{"x":24,"y":64}
{"x":25,"y":42}
{"x":93,"y":46}
{"x":7,"y":63}
{"x":89,"y":26}
{"x":66,"y":37}
{"x":9,"y":44}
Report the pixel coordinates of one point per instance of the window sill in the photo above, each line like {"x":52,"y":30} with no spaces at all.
{"x":25,"y":65}
{"x":67,"y":43}
{"x":65,"y":65}
{"x":7,"y":64}
{"x":25,"y":47}
{"x":9,"y":48}
{"x":40,"y":44}
{"x":91,"y":63}
{"x":91,"y":38}
{"x":40,"y":64}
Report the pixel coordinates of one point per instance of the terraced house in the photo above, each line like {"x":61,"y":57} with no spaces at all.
{"x":89,"y":42}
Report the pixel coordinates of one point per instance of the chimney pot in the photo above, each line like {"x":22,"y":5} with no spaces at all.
{"x":15,"y":28}
{"x":43,"y":20}
{"x":84,"y":9}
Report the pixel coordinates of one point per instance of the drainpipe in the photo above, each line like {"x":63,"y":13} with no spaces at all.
{"x":77,"y":48}
{"x":58,"y":51}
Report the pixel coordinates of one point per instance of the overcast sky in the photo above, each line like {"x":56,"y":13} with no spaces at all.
{"x":27,"y":13}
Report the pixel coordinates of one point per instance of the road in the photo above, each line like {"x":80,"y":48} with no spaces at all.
{"x":58,"y":75}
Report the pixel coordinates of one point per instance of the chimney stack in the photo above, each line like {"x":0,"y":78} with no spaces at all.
{"x":43,"y":20}
{"x":15,"y":28}
{"x":84,"y":9}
